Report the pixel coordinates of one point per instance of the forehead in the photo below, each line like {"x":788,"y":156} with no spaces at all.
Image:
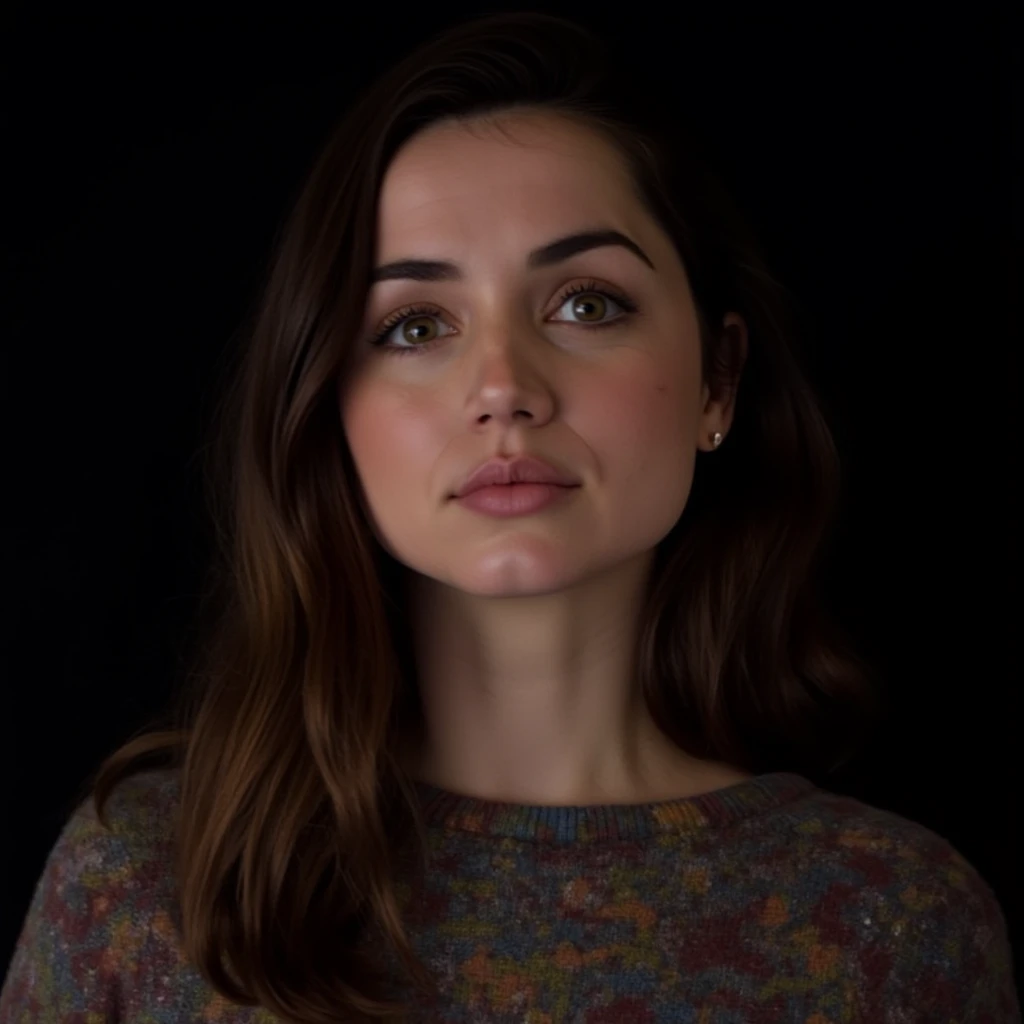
{"x":524,"y":168}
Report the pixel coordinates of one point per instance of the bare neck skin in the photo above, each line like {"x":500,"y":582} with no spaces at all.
{"x":531,"y":700}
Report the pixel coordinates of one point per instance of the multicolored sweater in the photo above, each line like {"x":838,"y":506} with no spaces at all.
{"x":769,"y":900}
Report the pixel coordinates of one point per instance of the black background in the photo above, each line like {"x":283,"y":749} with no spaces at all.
{"x":149,"y":163}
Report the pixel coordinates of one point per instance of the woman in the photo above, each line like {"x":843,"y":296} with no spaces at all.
{"x":516,"y":660}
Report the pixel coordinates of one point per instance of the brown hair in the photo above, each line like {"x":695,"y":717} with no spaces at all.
{"x":292,"y":803}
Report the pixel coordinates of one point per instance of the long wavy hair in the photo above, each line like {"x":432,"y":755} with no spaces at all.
{"x":299,"y":681}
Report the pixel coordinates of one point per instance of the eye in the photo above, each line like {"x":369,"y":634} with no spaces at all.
{"x":587,"y":301}
{"x":590,"y":304}
{"x":411,"y":320}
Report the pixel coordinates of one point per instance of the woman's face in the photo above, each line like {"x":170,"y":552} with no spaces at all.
{"x":505,"y":361}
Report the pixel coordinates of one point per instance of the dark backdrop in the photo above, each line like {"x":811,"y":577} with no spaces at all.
{"x":149,"y":164}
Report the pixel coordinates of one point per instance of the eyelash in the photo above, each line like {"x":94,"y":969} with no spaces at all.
{"x":407,"y":312}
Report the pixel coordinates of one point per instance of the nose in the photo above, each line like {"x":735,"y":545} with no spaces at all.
{"x":507,"y":387}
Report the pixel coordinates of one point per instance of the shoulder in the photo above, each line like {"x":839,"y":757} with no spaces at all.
{"x":910,"y":902}
{"x":126,"y":853}
{"x":93,"y":904}
{"x":890,"y":851}
{"x":141,"y":807}
{"x":138,"y":810}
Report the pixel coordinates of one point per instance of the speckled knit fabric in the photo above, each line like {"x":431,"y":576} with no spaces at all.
{"x":770,"y":900}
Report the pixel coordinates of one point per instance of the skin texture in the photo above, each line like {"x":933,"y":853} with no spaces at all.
{"x":524,"y":627}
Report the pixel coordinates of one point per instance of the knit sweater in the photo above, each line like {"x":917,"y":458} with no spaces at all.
{"x":769,"y":900}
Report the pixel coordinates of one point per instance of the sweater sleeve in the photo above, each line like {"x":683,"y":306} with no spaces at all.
{"x":77,"y":950}
{"x":955,"y":962}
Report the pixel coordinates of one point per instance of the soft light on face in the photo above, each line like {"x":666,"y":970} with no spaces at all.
{"x":508,"y":364}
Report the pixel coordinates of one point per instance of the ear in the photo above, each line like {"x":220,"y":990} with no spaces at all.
{"x":719,"y":393}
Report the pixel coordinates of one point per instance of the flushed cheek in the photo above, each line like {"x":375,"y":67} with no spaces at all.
{"x":637,"y":421}
{"x":393,"y":443}
{"x":642,"y":437}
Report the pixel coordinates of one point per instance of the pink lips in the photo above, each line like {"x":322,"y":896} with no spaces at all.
{"x":505,"y":500}
{"x":522,"y":470}
{"x":516,"y":487}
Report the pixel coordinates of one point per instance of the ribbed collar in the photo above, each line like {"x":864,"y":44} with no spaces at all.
{"x":444,"y":809}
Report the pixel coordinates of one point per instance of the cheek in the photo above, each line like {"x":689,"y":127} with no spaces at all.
{"x":390,"y":437}
{"x":642,"y":419}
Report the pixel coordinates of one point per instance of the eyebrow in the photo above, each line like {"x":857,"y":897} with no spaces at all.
{"x":547,"y":255}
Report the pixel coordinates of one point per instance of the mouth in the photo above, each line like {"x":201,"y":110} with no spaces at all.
{"x":515,"y":499}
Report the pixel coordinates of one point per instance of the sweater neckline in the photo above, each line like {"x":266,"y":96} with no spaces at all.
{"x":457,"y":812}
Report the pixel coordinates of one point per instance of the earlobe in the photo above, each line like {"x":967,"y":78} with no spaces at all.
{"x":713,"y":441}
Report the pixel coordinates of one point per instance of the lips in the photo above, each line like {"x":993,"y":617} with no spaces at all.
{"x":515,"y":471}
